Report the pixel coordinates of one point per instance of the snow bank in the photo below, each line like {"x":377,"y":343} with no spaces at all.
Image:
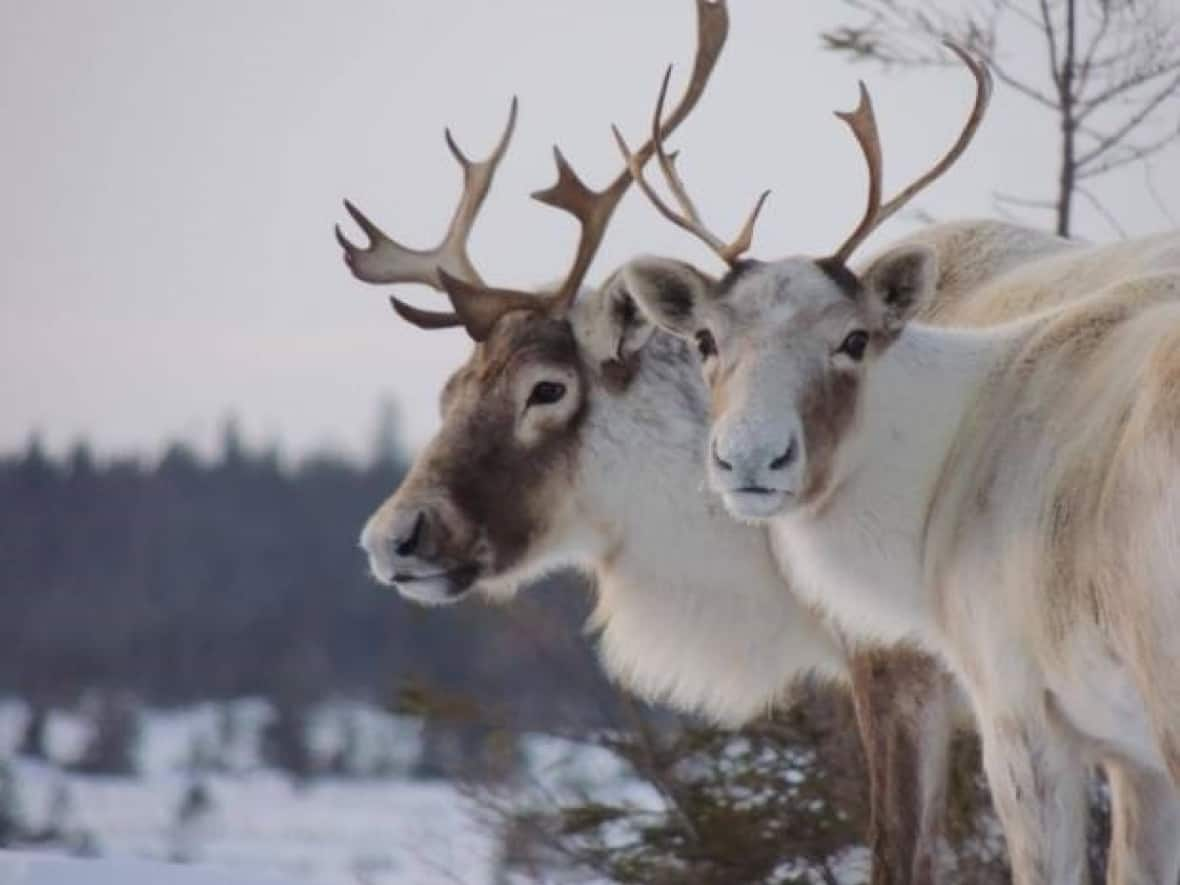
{"x":19,"y":868}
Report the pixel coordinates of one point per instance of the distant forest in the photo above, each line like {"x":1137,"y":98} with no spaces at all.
{"x":188,"y":579}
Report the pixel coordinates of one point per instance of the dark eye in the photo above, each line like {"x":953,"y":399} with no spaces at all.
{"x":854,"y":345}
{"x":705,"y":344}
{"x":546,"y":392}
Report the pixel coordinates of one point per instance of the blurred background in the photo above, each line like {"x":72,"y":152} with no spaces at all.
{"x":201,"y":407}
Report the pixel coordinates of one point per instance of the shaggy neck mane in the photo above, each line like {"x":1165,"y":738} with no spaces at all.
{"x":691,"y":607}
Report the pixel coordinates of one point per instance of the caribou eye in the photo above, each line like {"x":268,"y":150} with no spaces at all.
{"x":705,"y":344}
{"x":545,"y":393}
{"x":854,"y":345}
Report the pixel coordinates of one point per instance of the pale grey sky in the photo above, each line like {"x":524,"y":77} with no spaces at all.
{"x":171,"y":172}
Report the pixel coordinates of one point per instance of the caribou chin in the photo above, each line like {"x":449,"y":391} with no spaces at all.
{"x":439,"y":588}
{"x":754,"y":506}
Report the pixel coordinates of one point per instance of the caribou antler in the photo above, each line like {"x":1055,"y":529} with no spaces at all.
{"x":386,"y":261}
{"x":689,"y":218}
{"x":864,"y":127}
{"x":447,"y":267}
{"x":593,"y":209}
{"x":481,"y":306}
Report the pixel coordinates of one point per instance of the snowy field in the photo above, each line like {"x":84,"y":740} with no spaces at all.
{"x":238,"y":822}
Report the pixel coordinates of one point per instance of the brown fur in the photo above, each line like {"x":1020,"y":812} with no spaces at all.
{"x":889,"y":689}
{"x":502,"y":491}
{"x":826,"y":411}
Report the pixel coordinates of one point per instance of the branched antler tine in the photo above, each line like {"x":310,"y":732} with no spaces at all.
{"x":712,"y":31}
{"x":863,"y":124}
{"x":675,"y":183}
{"x":636,"y":170}
{"x":364,"y":223}
{"x":741,"y":243}
{"x":569,"y":192}
{"x":983,"y":94}
{"x":424,"y":319}
{"x":688,"y":218}
{"x":478,"y":307}
{"x":477,"y":181}
{"x":593,"y":209}
{"x":456,"y":151}
{"x":384,"y":260}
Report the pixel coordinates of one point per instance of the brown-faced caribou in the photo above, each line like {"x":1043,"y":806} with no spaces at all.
{"x":569,"y":439}
{"x":1009,"y":497}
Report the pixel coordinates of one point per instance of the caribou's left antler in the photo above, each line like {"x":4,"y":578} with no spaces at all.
{"x":864,"y":128}
{"x":385,"y":260}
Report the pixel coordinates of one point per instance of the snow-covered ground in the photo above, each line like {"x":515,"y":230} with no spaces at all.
{"x":18,"y":868}
{"x":253,"y":823}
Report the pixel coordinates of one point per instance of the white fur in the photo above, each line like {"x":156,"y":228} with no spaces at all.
{"x":692,"y":607}
{"x":883,"y":554}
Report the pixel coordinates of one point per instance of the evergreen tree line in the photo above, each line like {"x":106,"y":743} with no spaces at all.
{"x":187,"y":579}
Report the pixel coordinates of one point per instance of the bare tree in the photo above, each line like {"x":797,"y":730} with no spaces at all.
{"x":1108,"y":70}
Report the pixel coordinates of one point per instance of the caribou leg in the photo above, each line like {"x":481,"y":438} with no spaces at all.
{"x":1144,"y":825}
{"x":1037,"y":776}
{"x":904,"y":709}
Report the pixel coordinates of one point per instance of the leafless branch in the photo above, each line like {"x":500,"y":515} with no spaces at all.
{"x":1130,"y":123}
{"x":1003,"y":211}
{"x":1142,"y":78}
{"x":1005,"y":77}
{"x":1102,"y":210}
{"x":1131,"y":154}
{"x":1114,"y":66}
{"x":1024,"y":202}
{"x":1153,"y":192}
{"x":1003,"y":6}
{"x":1095,"y":42}
{"x":1055,"y":73}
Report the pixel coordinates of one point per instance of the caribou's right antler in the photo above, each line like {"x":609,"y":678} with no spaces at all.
{"x":480,"y":307}
{"x":593,"y":209}
{"x":447,"y":267}
{"x":386,"y":261}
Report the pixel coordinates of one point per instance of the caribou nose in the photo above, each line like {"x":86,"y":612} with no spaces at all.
{"x":788,"y":456}
{"x":408,"y":542}
{"x":718,"y":460}
{"x":397,"y":541}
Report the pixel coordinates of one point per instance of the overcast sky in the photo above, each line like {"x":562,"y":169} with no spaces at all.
{"x":171,"y":172}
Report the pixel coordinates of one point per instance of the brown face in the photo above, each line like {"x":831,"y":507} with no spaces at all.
{"x":488,"y":486}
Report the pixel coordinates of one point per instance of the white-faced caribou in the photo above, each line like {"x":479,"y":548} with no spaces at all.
{"x":1008,"y":496}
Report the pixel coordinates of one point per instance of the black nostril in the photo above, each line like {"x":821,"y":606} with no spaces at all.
{"x":410,"y":544}
{"x":719,"y":461}
{"x":785,"y":458}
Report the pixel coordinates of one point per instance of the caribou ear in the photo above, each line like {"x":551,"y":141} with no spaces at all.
{"x":674,"y":295}
{"x":615,"y":327}
{"x":613,"y":330}
{"x":897,"y":285}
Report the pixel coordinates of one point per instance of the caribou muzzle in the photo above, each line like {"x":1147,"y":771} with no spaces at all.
{"x":406,"y":549}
